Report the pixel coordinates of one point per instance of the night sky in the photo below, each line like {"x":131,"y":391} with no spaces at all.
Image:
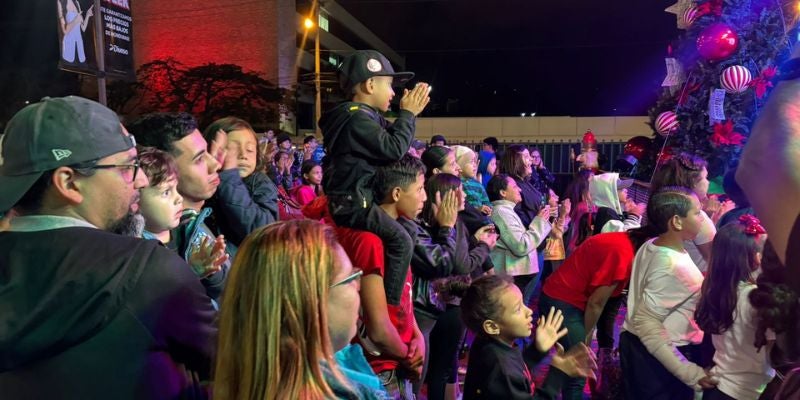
{"x":484,"y":58}
{"x":505,"y":57}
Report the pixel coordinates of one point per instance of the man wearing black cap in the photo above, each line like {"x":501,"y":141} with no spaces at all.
{"x":85,"y":313}
{"x":357,"y":140}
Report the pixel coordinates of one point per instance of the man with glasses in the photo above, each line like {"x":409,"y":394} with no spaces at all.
{"x":85,"y":313}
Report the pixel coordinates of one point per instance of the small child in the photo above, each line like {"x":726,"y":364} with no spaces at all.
{"x":245,"y":210}
{"x":725,"y":312}
{"x":357,"y":140}
{"x":280,"y":171}
{"x":487,"y":167}
{"x":311,"y":176}
{"x":493,"y":309}
{"x":660,"y":352}
{"x":476,"y":193}
{"x":161,"y":206}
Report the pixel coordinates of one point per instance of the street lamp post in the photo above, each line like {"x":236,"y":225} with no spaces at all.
{"x":310,"y":23}
{"x":318,"y":100}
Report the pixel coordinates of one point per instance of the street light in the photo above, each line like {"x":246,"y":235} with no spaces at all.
{"x":309,"y":24}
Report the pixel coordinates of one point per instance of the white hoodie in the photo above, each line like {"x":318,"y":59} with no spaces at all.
{"x":603,"y":189}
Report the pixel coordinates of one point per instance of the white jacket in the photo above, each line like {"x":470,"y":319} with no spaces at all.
{"x":515,"y":252}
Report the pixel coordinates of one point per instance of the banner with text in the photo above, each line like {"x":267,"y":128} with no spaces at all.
{"x":77,"y":36}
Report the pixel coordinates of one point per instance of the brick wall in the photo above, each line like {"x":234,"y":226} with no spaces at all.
{"x":258,"y":35}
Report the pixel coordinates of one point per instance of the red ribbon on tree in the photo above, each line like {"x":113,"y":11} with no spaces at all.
{"x":752,"y":225}
{"x":724,"y":135}
{"x":710,"y":7}
{"x":763,"y":81}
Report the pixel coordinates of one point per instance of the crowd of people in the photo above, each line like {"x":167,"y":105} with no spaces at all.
{"x":151,"y":259}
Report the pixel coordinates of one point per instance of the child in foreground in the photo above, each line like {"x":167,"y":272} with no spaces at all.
{"x":724,"y":311}
{"x":162,"y":205}
{"x":492,"y":307}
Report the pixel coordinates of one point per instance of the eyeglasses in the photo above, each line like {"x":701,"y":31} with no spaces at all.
{"x":135,"y":167}
{"x":355,"y":275}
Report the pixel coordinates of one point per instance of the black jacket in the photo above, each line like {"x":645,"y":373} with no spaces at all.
{"x":542,"y":179}
{"x":85,"y":314}
{"x":357,"y":141}
{"x":441,"y":253}
{"x":242,"y":205}
{"x":532,"y":201}
{"x":498,"y":371}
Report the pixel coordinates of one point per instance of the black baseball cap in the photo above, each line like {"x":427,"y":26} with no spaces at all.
{"x":53,"y":133}
{"x":364,"y":64}
{"x":282,"y":137}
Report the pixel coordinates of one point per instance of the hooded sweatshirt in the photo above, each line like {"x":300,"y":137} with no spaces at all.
{"x":357,"y":141}
{"x":88,"y":314}
{"x":610,"y":217}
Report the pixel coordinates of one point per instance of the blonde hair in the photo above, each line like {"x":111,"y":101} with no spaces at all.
{"x":460,"y":152}
{"x":273,"y":327}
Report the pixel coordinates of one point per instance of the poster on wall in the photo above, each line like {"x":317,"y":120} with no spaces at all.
{"x":77,"y":36}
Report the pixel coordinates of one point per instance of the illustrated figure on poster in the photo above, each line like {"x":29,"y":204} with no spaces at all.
{"x":73,"y":24}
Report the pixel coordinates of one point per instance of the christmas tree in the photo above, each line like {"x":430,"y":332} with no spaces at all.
{"x":720,"y":73}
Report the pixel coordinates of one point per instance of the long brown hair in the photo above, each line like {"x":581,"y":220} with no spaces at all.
{"x":273,"y":326}
{"x":683,"y":170}
{"x":733,"y":259}
{"x":513,"y":162}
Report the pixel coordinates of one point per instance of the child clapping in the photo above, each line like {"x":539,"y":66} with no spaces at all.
{"x":492,"y":307}
{"x":162,"y":206}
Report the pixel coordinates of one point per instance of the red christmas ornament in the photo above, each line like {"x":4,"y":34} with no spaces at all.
{"x":665,"y":155}
{"x":717,"y":42}
{"x":735,"y":79}
{"x":666,"y":122}
{"x":637,"y":147}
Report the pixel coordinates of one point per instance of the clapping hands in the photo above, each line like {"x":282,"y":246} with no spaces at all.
{"x":207,"y":257}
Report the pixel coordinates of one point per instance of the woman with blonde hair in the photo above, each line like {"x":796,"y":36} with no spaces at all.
{"x":278,"y":332}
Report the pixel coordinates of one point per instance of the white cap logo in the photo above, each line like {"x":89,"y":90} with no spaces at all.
{"x":374,"y":65}
{"x":61,"y":154}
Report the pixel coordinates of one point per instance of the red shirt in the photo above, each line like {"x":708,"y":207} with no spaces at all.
{"x":365,"y":250}
{"x":601,"y":260}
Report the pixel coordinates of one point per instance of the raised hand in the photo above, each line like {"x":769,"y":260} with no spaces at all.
{"x":416,"y":99}
{"x":579,"y":361}
{"x":544,"y":213}
{"x":219,"y":147}
{"x":446,"y":208}
{"x":231,"y":156}
{"x":486,"y":234}
{"x":565,"y":208}
{"x":635,"y":208}
{"x":207,"y":257}
{"x":548,"y":330}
